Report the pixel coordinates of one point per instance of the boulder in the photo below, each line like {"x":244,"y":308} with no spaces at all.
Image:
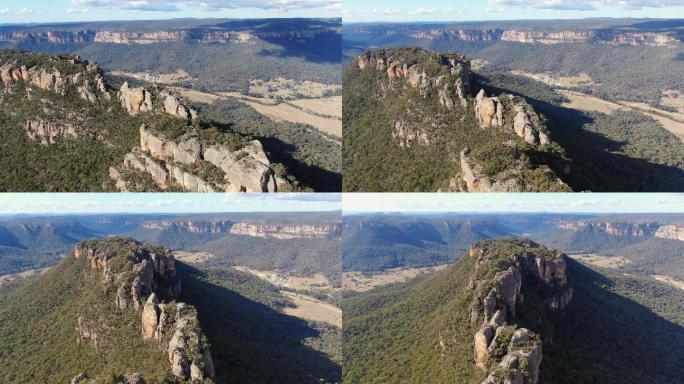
{"x":488,"y":111}
{"x":135,"y":100}
{"x":150,"y":317}
{"x":483,"y":338}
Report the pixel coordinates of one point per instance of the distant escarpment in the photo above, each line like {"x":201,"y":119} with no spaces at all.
{"x":285,"y":232}
{"x":145,"y":281}
{"x":600,"y":36}
{"x":436,"y":108}
{"x":615,"y":228}
{"x":503,"y":271}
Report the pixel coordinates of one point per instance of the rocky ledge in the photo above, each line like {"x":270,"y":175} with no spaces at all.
{"x":151,"y":100}
{"x":194,"y":165}
{"x":519,"y":176}
{"x":285,"y":232}
{"x":145,"y":277}
{"x":503,"y":269}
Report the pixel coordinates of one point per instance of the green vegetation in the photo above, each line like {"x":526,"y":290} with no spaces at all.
{"x":251,"y":341}
{"x":626,"y":151}
{"x":37,"y":321}
{"x":617,"y":328}
{"x":313,"y":158}
{"x":373,"y":161}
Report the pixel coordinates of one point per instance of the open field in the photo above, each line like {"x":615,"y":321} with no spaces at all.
{"x":305,"y":111}
{"x":5,"y":279}
{"x":580,"y":80}
{"x":612,"y":262}
{"x":312,"y":309}
{"x":290,"y":89}
{"x":671,"y":121}
{"x":327,"y":106}
{"x":193,"y":257}
{"x":670,"y":280}
{"x":286,"y":112}
{"x":361,"y":282}
{"x":161,"y":78}
{"x":674,"y":99}
{"x":317,"y":282}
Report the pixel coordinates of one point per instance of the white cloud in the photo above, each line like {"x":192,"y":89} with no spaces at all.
{"x":5,"y":11}
{"x":175,"y":5}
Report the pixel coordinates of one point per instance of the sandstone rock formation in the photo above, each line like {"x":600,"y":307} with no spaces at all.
{"x":138,"y":100}
{"x":151,"y":279}
{"x":48,"y":132}
{"x":452,"y":85}
{"x":472,"y":178}
{"x":490,"y":112}
{"x":285,"y":232}
{"x":167,"y":161}
{"x":84,"y":76}
{"x":672,"y":232}
{"x":406,"y":134}
{"x":502,"y":269}
{"x":611,"y":227}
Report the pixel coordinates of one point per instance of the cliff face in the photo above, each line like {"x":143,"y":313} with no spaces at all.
{"x":180,"y":162}
{"x":26,"y":75}
{"x":447,"y":81}
{"x":145,"y":280}
{"x":672,"y":232}
{"x":612,"y":228}
{"x":285,"y":232}
{"x":192,"y":35}
{"x":503,"y":269}
{"x":526,"y":36}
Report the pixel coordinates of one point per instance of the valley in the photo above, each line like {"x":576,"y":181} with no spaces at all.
{"x":241,"y":82}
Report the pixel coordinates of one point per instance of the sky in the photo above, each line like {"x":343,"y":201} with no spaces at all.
{"x":474,"y":10}
{"x":42,"y":11}
{"x":91,"y":203}
{"x":514,"y":202}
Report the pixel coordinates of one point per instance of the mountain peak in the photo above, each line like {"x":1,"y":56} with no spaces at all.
{"x":509,"y":352}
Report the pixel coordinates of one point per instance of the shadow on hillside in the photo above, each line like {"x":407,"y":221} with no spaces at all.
{"x":602,"y":337}
{"x":252,"y":343}
{"x":319,"y":179}
{"x":596,"y":166}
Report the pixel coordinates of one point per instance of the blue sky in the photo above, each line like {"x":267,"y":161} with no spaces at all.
{"x":472,"y":10}
{"x":60,"y":203}
{"x":515,"y":202}
{"x":40,"y":11}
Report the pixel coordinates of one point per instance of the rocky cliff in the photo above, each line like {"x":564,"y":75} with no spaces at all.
{"x":612,"y":228}
{"x":504,"y":269}
{"x":529,"y":36}
{"x":446,"y":84}
{"x":145,"y":280}
{"x":216,"y":35}
{"x":26,"y":75}
{"x":672,"y":232}
{"x":285,"y":232}
{"x":192,"y":163}
{"x":144,"y":100}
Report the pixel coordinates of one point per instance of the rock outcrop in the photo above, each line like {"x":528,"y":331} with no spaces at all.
{"x":48,"y":132}
{"x":180,"y":162}
{"x":143,"y":100}
{"x":472,"y":177}
{"x":285,"y":232}
{"x":611,"y":227}
{"x":503,"y":268}
{"x":672,"y":232}
{"x":522,"y":120}
{"x":452,"y":82}
{"x":146,"y":277}
{"x":83,"y":76}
